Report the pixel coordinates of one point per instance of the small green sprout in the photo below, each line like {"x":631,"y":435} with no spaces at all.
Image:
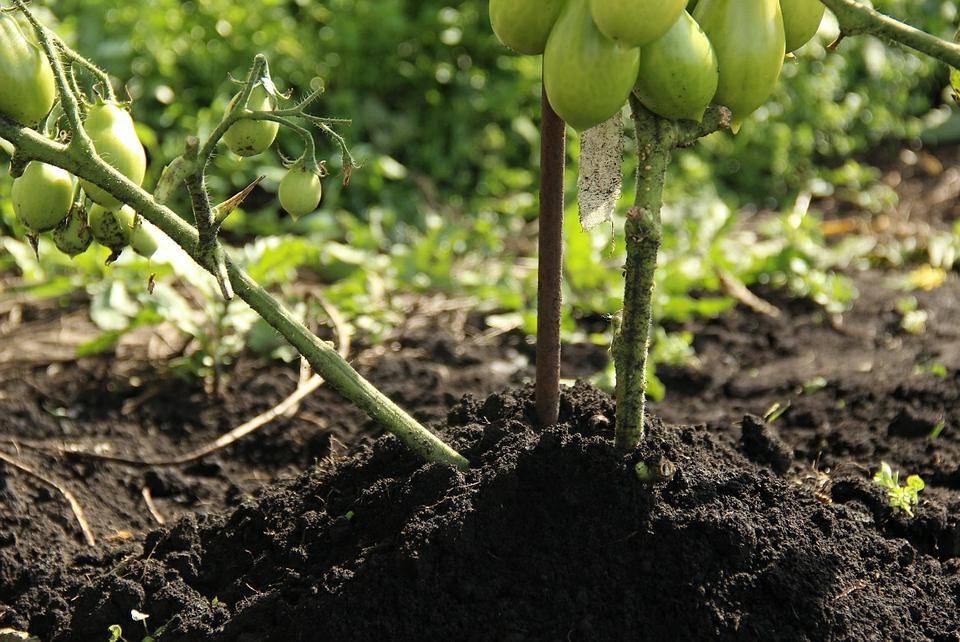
{"x":901,"y":497}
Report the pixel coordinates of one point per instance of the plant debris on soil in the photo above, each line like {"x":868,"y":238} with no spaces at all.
{"x":747,"y":530}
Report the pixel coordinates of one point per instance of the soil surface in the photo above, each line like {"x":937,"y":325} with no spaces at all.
{"x":762,"y":530}
{"x":314,"y":528}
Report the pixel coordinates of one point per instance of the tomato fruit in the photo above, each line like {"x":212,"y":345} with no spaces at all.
{"x":42,"y":196}
{"x":73,"y":236}
{"x":588,"y":77}
{"x":524,"y":25}
{"x":112,"y":228}
{"x":801,"y":21}
{"x":300,"y":191}
{"x":748,"y":39}
{"x":635,"y":23}
{"x":252,"y":137}
{"x":143,"y":240}
{"x":27,"y":88}
{"x":115,"y":138}
{"x":678,"y":73}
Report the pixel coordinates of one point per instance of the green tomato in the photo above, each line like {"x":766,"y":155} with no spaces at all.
{"x":635,"y":23}
{"x":115,"y":138}
{"x":748,"y":38}
{"x":300,"y":191}
{"x":524,"y":25}
{"x":678,"y":73}
{"x":801,"y":21}
{"x":42,"y":196}
{"x":252,"y":137}
{"x":112,"y":228}
{"x":27,"y":88}
{"x":588,"y":77}
{"x":73,"y":236}
{"x":143,"y":240}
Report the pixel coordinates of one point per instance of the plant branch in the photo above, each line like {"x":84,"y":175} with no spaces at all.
{"x":856,"y":18}
{"x":322,"y":356}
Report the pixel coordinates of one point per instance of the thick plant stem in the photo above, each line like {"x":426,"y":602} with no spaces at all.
{"x":322,"y":357}
{"x":655,"y":139}
{"x":550,"y":266}
{"x":856,"y":18}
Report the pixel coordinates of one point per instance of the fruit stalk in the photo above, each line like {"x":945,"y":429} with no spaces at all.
{"x":550,"y":266}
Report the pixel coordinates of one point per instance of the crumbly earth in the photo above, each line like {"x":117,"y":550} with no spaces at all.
{"x":764,"y":531}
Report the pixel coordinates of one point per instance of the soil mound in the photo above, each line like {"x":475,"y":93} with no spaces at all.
{"x":549,"y":536}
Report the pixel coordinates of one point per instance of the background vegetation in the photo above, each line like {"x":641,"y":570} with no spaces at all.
{"x":444,"y":122}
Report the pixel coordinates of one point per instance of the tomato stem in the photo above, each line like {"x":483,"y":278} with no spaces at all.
{"x":656,"y":139}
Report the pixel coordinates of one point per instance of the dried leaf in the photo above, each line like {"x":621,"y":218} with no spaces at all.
{"x":601,"y":172}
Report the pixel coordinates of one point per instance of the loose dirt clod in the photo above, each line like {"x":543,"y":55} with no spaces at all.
{"x":549,"y":536}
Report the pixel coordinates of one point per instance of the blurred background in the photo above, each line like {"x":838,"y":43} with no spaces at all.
{"x":834,"y":175}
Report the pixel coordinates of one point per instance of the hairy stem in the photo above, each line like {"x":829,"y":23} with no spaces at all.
{"x":322,"y":357}
{"x":550,"y":268}
{"x":655,"y":140}
{"x":856,"y":18}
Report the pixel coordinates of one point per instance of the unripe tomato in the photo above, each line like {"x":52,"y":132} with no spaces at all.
{"x":27,"y":88}
{"x":143,"y":240}
{"x":73,"y":236}
{"x":635,"y":23}
{"x":42,"y":196}
{"x":524,"y":25}
{"x":678,"y":73}
{"x":252,"y":137}
{"x":801,"y":21}
{"x":588,"y":77}
{"x":300,"y":191}
{"x":115,"y":138}
{"x":112,"y":228}
{"x":748,"y":38}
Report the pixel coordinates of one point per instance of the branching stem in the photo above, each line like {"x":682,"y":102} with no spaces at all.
{"x":856,"y":18}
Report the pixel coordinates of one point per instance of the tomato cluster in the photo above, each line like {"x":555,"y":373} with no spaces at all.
{"x":77,"y":212}
{"x":678,"y":57}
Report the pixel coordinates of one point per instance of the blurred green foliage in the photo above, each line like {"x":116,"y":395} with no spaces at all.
{"x":444,"y":122}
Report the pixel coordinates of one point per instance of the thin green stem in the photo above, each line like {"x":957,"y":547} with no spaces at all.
{"x":321,"y":355}
{"x":856,"y":18}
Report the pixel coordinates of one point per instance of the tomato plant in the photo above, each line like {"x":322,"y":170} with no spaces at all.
{"x":729,"y":53}
{"x":104,"y":152}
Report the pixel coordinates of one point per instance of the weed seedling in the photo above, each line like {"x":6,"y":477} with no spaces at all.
{"x":901,"y":497}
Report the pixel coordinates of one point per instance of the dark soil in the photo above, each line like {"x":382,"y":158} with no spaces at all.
{"x":763,"y":531}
